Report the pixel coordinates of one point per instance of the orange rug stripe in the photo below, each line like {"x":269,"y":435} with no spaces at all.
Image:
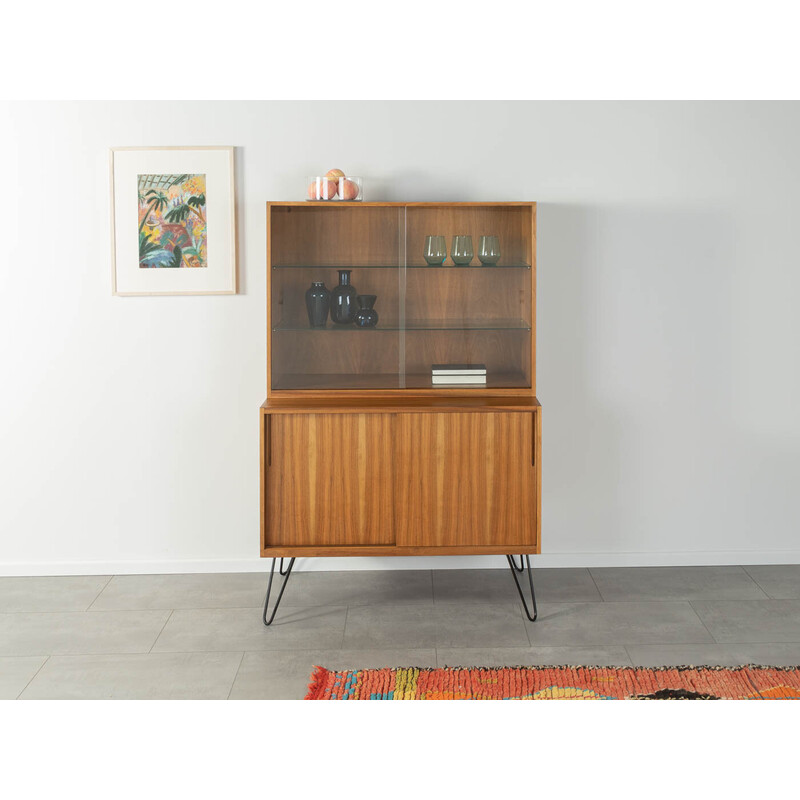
{"x":748,"y":682}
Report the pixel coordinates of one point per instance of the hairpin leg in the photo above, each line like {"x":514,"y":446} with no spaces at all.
{"x":269,"y":588}
{"x":514,"y":563}
{"x":514,"y":572}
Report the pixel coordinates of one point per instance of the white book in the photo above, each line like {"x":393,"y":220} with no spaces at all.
{"x":458,"y":369}
{"x":471,"y":379}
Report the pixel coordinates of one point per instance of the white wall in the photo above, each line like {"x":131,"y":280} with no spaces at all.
{"x":669,"y":338}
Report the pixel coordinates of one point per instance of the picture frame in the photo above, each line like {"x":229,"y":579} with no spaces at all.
{"x":173,"y":220}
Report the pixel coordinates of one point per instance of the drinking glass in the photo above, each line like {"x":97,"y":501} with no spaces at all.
{"x":462,"y":251}
{"x":489,"y":250}
{"x":435,"y":250}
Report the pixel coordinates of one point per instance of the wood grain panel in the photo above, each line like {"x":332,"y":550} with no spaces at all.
{"x":537,"y":420}
{"x":390,"y":550}
{"x":504,"y":352}
{"x":329,"y":480}
{"x":289,"y":292}
{"x":352,"y":358}
{"x":465,"y":479}
{"x":336,"y":234}
{"x":511,"y":223}
{"x":479,"y":293}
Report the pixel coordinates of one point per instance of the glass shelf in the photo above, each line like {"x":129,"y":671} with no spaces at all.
{"x":417,"y":325}
{"x":500,"y":380}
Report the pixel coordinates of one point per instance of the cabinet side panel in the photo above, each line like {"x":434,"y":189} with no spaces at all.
{"x":466,"y":480}
{"x":538,"y":422}
{"x":330,"y":480}
{"x":532,"y":259}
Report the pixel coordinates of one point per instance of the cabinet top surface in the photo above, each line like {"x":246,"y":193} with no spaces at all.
{"x":363,"y":204}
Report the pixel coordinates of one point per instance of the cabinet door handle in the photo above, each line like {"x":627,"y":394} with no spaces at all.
{"x":533,"y":438}
{"x":268,"y":443}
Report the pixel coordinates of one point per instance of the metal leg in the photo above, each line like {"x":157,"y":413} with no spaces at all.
{"x":269,"y":588}
{"x":514,"y":572}
{"x":514,"y":563}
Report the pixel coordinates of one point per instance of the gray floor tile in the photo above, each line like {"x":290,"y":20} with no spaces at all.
{"x":779,"y":581}
{"x":85,"y":632}
{"x":563,"y":585}
{"x":284,"y":674}
{"x":358,"y":588}
{"x":381,"y":627}
{"x":482,"y":625}
{"x":533,"y":656}
{"x":213,"y":590}
{"x":633,"y":584}
{"x":497,"y":586}
{"x":150,"y":676}
{"x":580,"y":624}
{"x":380,"y":618}
{"x":715,"y":655}
{"x":56,"y":593}
{"x":15,"y":672}
{"x":238,"y":629}
{"x":219,"y":590}
{"x":751,"y":620}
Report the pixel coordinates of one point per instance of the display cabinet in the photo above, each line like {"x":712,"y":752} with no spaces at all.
{"x":418,"y":433}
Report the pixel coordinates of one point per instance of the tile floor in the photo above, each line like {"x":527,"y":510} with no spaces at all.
{"x":200,"y":636}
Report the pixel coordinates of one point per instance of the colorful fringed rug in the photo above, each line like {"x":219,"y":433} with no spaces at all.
{"x":748,"y":682}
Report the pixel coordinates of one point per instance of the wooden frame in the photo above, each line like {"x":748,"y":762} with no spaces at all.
{"x":465,"y":462}
{"x":231,"y":274}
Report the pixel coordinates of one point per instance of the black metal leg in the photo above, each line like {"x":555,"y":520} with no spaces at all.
{"x":514,"y":572}
{"x":269,"y":588}
{"x":514,"y":563}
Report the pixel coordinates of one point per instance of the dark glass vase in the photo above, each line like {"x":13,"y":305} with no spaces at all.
{"x":366,"y":316}
{"x":343,"y":300}
{"x":318,"y":302}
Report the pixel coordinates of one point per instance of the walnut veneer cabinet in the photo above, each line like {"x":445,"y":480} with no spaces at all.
{"x":361,"y":455}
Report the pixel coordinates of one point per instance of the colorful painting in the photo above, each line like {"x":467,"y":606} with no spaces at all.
{"x":172,"y":221}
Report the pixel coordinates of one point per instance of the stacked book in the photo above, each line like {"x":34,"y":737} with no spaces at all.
{"x":458,"y":374}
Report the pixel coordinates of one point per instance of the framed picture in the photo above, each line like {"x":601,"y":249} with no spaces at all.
{"x":173,"y":222}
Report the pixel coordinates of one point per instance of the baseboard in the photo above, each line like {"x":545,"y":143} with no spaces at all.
{"x":545,"y":560}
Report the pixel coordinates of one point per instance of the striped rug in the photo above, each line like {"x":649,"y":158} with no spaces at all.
{"x":747,"y":682}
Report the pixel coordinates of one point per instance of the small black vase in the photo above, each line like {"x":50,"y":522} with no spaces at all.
{"x":343,"y":300}
{"x":318,"y":301}
{"x":366,"y":316}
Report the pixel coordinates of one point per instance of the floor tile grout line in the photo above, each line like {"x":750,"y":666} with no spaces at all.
{"x":758,"y":644}
{"x":41,"y":667}
{"x":702,"y":621}
{"x":169,"y":617}
{"x":122,"y":654}
{"x":526,"y":623}
{"x":103,"y":588}
{"x":628,"y":653}
{"x":271,"y":650}
{"x":236,"y":675}
{"x":602,"y":599}
{"x":766,"y":593}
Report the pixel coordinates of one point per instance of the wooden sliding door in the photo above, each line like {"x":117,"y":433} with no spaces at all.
{"x":466,"y":479}
{"x":328,"y":480}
